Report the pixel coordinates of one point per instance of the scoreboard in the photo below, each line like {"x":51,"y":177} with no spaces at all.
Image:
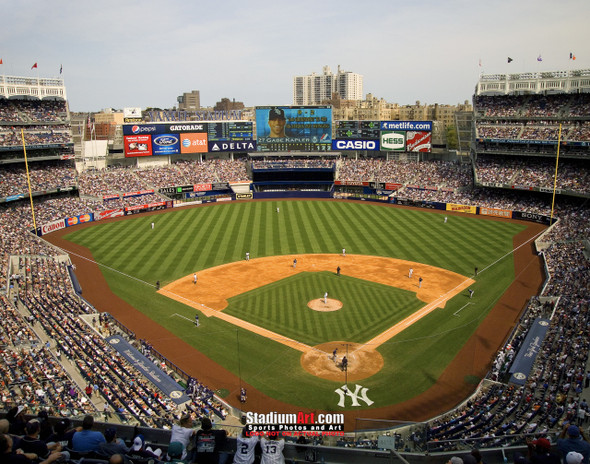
{"x":364,"y":130}
{"x":229,"y":131}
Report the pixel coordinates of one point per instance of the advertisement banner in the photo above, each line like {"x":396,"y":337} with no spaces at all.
{"x":533,"y":217}
{"x":138,"y":193}
{"x":462,"y":208}
{"x":289,"y":128}
{"x":244,"y":196}
{"x":202,"y":187}
{"x":393,"y":141}
{"x":148,"y":369}
{"x":495,"y":212}
{"x":343,"y":144}
{"x":53,"y":226}
{"x":146,"y":207}
{"x":80,"y":219}
{"x":351,"y":182}
{"x":193,"y":142}
{"x":527,"y":354}
{"x":419,"y":141}
{"x":406,"y":126}
{"x":108,"y":214}
{"x":389,"y":186}
{"x":138,"y":145}
{"x":166,"y":144}
{"x":246,"y":145}
{"x":114,"y":196}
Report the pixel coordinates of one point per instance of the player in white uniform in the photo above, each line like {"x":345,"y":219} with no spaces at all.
{"x":245,"y":447}
{"x":326,"y":298}
{"x":272,"y":450}
{"x":247,"y":256}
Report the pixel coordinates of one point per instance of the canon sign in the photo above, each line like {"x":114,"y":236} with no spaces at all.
{"x":341,"y":144}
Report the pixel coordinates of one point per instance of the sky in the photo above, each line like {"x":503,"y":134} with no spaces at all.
{"x":128,"y":53}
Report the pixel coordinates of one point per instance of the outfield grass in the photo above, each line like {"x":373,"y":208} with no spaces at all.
{"x":188,"y":240}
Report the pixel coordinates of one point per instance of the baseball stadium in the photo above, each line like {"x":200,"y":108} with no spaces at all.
{"x":358,"y":286}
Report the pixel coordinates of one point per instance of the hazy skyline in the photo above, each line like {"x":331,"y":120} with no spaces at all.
{"x":146,"y":54}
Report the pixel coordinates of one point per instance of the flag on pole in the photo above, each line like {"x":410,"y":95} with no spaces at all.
{"x":61,"y":68}
{"x":0,"y":60}
{"x":572,"y":56}
{"x":539,"y":58}
{"x":480,"y":62}
{"x":510,"y":60}
{"x":34,"y":66}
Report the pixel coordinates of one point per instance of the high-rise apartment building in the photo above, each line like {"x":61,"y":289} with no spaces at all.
{"x":314,"y":89}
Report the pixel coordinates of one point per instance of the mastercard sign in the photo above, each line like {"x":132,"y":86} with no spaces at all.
{"x":193,"y":142}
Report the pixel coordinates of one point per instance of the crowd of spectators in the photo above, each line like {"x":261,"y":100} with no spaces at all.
{"x":44,"y":291}
{"x":533,"y":117}
{"x":32,"y":111}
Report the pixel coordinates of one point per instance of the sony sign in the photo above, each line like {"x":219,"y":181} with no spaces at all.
{"x":344,"y":144}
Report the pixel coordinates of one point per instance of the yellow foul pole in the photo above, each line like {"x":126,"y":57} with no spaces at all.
{"x":555,"y":177}
{"x":22,"y":132}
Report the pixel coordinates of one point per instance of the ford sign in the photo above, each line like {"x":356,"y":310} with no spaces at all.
{"x":165,"y":140}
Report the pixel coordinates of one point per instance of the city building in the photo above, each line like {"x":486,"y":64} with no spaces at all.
{"x":189,"y":101}
{"x":313,"y":89}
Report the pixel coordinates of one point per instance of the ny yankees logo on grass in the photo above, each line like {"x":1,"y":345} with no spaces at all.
{"x":359,"y":393}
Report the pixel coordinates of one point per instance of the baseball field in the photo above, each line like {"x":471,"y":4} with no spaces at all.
{"x":264,"y":323}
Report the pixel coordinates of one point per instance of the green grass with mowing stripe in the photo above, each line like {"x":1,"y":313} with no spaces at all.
{"x":187,"y":240}
{"x":282,"y":308}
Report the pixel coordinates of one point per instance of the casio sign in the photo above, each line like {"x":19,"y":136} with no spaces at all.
{"x":356,"y":145}
{"x":165,"y":140}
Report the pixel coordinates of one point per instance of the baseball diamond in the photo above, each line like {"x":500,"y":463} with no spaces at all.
{"x":415,"y":362}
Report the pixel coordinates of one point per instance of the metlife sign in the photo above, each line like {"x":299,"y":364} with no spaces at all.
{"x":343,"y":144}
{"x":406,"y":125}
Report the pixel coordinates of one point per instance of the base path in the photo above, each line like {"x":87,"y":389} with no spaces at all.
{"x":217,"y":284}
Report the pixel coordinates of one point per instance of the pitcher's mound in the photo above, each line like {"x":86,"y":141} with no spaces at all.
{"x":362,"y":362}
{"x":329,"y":305}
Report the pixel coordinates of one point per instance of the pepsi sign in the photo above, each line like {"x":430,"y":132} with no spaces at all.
{"x":344,"y":144}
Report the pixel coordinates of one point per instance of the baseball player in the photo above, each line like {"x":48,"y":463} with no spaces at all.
{"x":445,"y":220}
{"x":196,"y":320}
{"x":277,"y":209}
{"x":152,"y":225}
{"x":476,"y":270}
{"x":420,"y":282}
{"x":470,"y":293}
{"x":343,"y":251}
{"x":272,"y":450}
{"x":247,"y":256}
{"x":157,"y":285}
{"x":295,"y":263}
{"x":195,"y":278}
{"x":326,"y":298}
{"x":410,"y":272}
{"x":245,"y":446}
{"x":335,"y":355}
{"x":344,"y":363}
{"x":338,"y":270}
